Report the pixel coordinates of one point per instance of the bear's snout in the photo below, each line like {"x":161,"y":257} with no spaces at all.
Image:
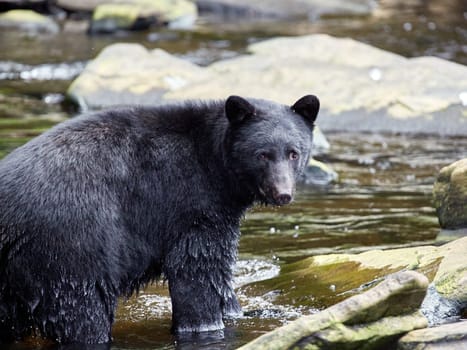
{"x":282,"y":183}
{"x":283,"y":199}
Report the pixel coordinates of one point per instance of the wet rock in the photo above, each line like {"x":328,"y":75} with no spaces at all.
{"x":320,"y":143}
{"x":140,"y":14}
{"x":345,"y":274}
{"x":365,"y":321}
{"x":449,"y":336}
{"x":318,"y":173}
{"x":450,"y":195}
{"x":438,"y":309}
{"x":108,"y":18}
{"x":29,"y":21}
{"x":295,"y":9}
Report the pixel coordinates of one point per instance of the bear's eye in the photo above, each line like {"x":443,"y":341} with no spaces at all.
{"x":263,"y":156}
{"x":293,"y":155}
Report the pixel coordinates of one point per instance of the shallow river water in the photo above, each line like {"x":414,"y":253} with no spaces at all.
{"x":381,"y":200}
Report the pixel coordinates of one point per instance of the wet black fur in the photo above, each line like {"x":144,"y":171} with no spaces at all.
{"x":104,"y":203}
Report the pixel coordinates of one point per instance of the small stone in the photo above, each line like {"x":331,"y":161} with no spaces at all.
{"x":407,"y":26}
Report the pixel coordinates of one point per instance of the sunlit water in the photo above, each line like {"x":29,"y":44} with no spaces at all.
{"x":382,"y":199}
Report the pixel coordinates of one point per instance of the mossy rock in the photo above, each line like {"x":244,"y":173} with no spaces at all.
{"x":323,"y":280}
{"x":366,"y":321}
{"x":139,"y":14}
{"x":28,"y":20}
{"x":108,"y":18}
{"x":450,"y":195}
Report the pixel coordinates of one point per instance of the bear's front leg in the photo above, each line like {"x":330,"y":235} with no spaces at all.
{"x":199,"y":272}
{"x":230,"y":305}
{"x":196,"y":305}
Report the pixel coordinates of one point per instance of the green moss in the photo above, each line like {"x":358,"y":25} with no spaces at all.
{"x":450,"y":285}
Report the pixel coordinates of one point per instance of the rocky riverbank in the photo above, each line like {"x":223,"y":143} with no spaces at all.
{"x":380,"y":315}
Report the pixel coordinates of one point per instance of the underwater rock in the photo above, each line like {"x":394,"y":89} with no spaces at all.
{"x":450,"y":195}
{"x":448,"y":336}
{"x":29,"y":21}
{"x":365,"y":321}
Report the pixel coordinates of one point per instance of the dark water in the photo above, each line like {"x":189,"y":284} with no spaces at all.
{"x":382,"y":198}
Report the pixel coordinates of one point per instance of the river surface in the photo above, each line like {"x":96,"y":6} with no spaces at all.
{"x":382,"y":198}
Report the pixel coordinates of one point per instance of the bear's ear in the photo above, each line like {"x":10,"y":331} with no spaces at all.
{"x":307,"y":107}
{"x":237,"y":109}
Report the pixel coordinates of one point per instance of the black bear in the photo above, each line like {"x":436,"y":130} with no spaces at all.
{"x":104,"y":203}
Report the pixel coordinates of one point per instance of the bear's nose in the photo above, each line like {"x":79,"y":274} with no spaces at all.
{"x":283,"y":199}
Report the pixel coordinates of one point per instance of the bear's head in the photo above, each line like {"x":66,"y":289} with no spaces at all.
{"x":268,"y":145}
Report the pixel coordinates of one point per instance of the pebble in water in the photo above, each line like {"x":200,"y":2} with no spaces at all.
{"x":407,"y":26}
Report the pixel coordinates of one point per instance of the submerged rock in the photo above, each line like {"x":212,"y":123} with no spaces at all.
{"x":28,"y":20}
{"x":449,"y":336}
{"x":366,"y":321}
{"x":450,"y":195}
{"x":361,"y":88}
